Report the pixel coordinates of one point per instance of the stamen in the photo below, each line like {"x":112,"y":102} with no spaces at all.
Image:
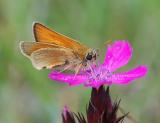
{"x":92,"y":72}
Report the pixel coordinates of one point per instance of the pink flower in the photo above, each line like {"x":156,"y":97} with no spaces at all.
{"x":118,"y":54}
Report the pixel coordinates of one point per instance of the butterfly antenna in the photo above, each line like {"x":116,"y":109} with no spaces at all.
{"x":108,"y":42}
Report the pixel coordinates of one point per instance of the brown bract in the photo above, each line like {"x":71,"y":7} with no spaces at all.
{"x":101,"y":109}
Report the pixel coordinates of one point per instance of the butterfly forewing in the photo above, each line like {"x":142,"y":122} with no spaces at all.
{"x":44,"y":34}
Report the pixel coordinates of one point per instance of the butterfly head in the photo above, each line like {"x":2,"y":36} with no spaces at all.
{"x":91,"y":55}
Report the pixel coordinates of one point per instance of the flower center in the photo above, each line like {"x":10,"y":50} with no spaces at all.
{"x":99,"y":74}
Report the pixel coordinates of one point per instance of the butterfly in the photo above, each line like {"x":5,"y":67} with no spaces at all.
{"x":54,"y":50}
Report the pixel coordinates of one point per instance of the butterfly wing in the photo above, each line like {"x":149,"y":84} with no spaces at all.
{"x":51,"y":57}
{"x":45,"y":55}
{"x":44,"y":34}
{"x":29,"y":47}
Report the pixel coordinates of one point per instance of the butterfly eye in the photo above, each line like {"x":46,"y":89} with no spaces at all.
{"x":89,"y":57}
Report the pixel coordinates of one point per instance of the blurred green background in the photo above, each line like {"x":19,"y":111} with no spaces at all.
{"x":29,"y":96}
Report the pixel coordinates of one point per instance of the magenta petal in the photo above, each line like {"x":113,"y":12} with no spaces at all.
{"x":127,"y":77}
{"x":71,"y":79}
{"x":117,"y":55}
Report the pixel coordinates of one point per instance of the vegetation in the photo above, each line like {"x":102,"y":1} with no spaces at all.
{"x":29,"y":96}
